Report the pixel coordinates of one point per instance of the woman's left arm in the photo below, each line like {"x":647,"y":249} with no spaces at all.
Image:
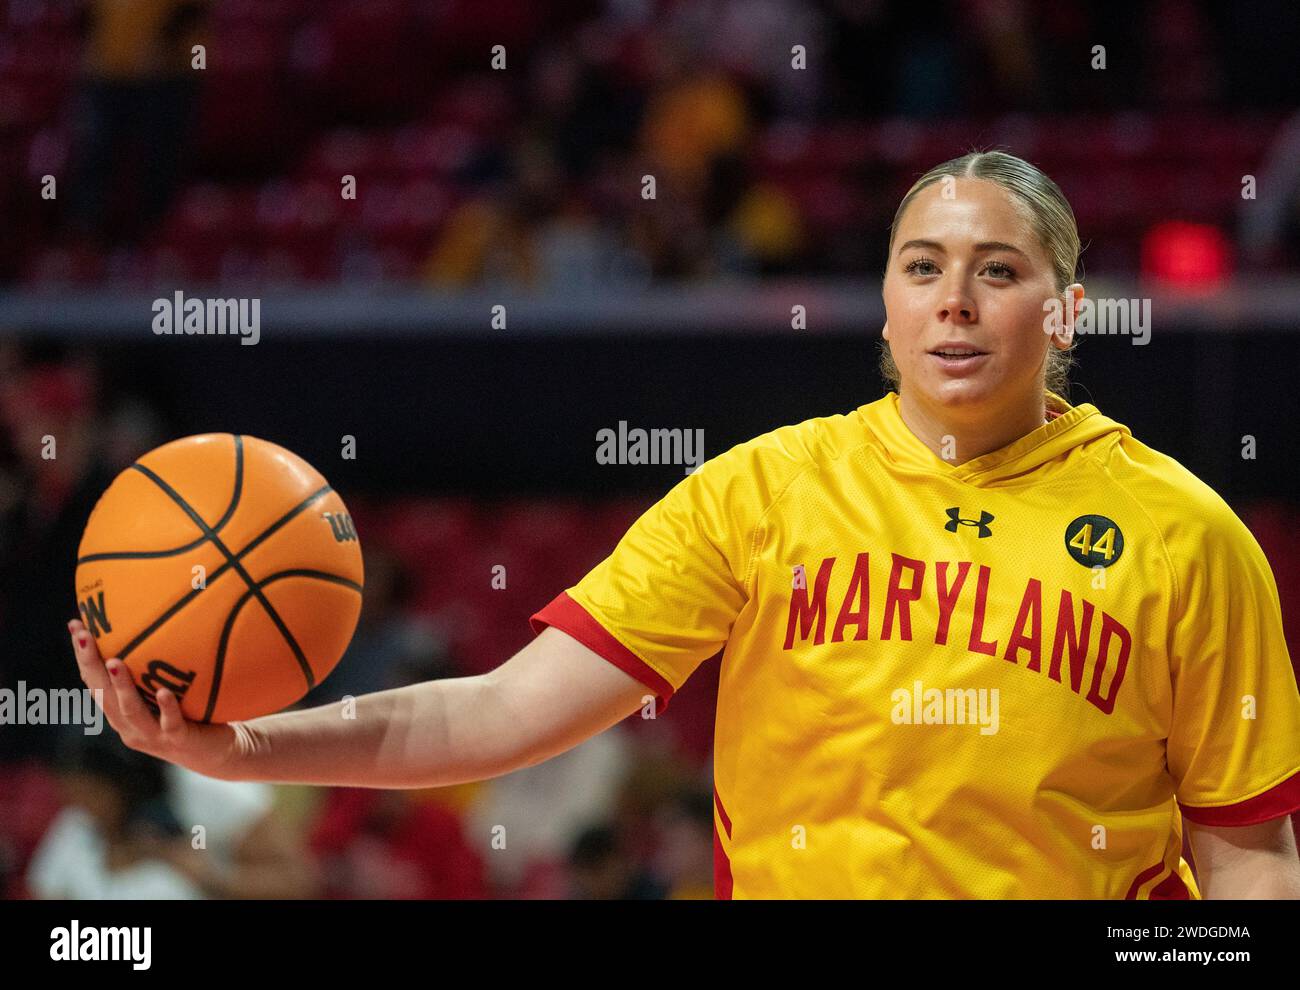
{"x":1246,"y":861}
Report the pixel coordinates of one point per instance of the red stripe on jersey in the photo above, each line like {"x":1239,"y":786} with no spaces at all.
{"x":1273,"y":803}
{"x":721,"y":864}
{"x":721,"y":869}
{"x":722,"y":812}
{"x":1147,"y":874}
{"x":568,"y":616}
{"x":1171,"y":888}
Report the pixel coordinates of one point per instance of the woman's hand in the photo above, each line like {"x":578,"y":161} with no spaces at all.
{"x":207,"y":749}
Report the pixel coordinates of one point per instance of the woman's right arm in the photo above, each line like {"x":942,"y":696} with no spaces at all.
{"x":547,"y":698}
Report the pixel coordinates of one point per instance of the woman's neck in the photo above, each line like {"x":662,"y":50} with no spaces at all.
{"x":958,"y":439}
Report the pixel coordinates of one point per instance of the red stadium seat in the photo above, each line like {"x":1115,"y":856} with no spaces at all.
{"x":480,"y":104}
{"x":346,"y":151}
{"x":430,"y":149}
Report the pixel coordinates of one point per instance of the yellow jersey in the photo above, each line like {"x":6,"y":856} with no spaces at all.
{"x":997,"y":679}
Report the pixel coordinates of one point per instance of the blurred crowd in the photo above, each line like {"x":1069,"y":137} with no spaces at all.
{"x":491,"y":142}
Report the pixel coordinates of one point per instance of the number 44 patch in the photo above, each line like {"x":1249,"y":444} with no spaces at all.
{"x":1094,"y":541}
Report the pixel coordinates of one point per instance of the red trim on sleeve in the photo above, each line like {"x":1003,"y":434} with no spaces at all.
{"x":568,"y":616}
{"x":1280,"y":800}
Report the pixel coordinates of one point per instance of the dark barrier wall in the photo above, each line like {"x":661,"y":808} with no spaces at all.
{"x":520,"y":416}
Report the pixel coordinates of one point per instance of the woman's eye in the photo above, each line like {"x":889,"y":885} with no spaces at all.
{"x":926,"y":266}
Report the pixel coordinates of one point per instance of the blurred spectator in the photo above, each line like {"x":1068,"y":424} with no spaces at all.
{"x":929,"y":54}
{"x":693,"y":118}
{"x":602,"y":869}
{"x":392,"y":844}
{"x":1184,"y":67}
{"x":49,"y":412}
{"x":132,"y":428}
{"x":137,"y":93}
{"x":233,"y":843}
{"x":768,"y":228}
{"x":1270,"y":222}
{"x":1005,"y":33}
{"x":539,"y":808}
{"x":107,"y":844}
{"x":395,"y":845}
{"x":580,"y":109}
{"x":390,"y":647}
{"x":685,"y":859}
{"x":655,"y":779}
{"x":31,"y":797}
{"x":130,"y":828}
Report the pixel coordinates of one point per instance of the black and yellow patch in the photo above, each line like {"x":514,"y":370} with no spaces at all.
{"x":1094,"y":541}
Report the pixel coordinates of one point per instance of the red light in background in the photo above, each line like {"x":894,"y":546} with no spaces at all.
{"x":1189,"y":255}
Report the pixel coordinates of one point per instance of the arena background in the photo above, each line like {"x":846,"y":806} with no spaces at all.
{"x":127,"y":174}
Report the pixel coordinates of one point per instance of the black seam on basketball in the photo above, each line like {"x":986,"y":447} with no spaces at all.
{"x":154,"y":554}
{"x":142,"y":554}
{"x":219,"y":667}
{"x":266,"y":534}
{"x":192,"y":594}
{"x":176,"y":496}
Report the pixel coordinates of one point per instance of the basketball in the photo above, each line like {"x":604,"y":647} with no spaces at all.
{"x":224,"y":568}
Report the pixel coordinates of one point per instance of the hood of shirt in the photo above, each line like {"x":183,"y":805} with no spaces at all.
{"x":1071,"y":431}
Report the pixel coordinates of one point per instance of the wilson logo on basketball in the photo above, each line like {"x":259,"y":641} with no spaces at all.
{"x":341,"y":524}
{"x":94,"y":615}
{"x":160,"y":674}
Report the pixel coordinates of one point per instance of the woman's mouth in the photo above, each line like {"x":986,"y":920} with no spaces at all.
{"x":958,"y":359}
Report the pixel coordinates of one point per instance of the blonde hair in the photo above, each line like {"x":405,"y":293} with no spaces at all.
{"x":1052,"y":219}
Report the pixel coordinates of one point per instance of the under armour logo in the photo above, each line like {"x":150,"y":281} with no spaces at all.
{"x":955,"y":520}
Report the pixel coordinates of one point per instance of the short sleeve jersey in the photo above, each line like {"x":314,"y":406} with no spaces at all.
{"x":999,"y":678}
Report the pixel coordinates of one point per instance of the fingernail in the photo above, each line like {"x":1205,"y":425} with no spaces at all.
{"x":112,"y":671}
{"x":81,"y":639}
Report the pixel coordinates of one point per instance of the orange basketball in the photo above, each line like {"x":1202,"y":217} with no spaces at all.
{"x":224,"y":568}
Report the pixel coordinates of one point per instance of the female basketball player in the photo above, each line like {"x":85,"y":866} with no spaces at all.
{"x":976,"y":642}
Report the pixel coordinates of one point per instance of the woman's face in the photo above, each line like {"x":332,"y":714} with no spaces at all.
{"x":964,"y":294}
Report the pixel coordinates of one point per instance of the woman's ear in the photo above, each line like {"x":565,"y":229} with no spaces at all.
{"x":885,"y":331}
{"x":1072,"y":297}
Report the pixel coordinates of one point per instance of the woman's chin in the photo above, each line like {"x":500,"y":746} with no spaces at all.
{"x":961,"y":393}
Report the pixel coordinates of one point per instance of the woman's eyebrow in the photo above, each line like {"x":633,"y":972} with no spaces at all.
{"x":980,"y":247}
{"x":928,"y":245}
{"x":998,"y":246}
